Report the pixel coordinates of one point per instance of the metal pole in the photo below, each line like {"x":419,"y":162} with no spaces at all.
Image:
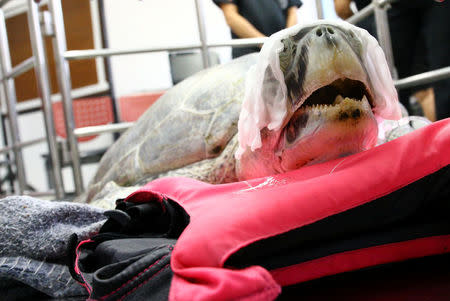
{"x":108,"y":65}
{"x":20,"y":68}
{"x":240,"y":42}
{"x":22,"y":145}
{"x":93,"y":53}
{"x":43,"y":85}
{"x":384,"y":36}
{"x":7,"y":155}
{"x":319,"y":9}
{"x":64,"y":83}
{"x":201,"y":31}
{"x":11,"y":99}
{"x":101,"y":129}
{"x":362,"y":14}
{"x":423,"y":78}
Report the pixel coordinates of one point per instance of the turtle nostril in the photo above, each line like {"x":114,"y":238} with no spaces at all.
{"x":330,"y":30}
{"x":319,"y":32}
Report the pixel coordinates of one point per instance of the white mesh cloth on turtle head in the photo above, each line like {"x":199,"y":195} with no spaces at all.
{"x":265,"y":95}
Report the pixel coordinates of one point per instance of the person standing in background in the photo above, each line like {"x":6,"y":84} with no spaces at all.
{"x":257,"y":18}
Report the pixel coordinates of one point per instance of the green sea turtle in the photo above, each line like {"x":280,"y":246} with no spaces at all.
{"x":312,"y":94}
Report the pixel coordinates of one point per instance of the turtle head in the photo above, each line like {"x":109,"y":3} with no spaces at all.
{"x":314,"y":95}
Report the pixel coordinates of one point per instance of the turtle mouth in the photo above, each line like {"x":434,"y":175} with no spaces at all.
{"x":333,"y":94}
{"x":341,"y":110}
{"x":334,"y":121}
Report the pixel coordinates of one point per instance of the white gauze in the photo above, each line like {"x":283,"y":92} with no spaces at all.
{"x":265,"y":95}
{"x":264,"y":99}
{"x":386,"y":98}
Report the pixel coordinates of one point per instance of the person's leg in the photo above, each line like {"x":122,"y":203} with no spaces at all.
{"x":404,"y":25}
{"x":437,"y":34}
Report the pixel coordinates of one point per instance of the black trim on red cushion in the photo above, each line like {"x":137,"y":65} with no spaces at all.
{"x":416,"y":279}
{"x":418,"y":210}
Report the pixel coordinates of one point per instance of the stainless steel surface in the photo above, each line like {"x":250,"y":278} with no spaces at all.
{"x":101,"y":129}
{"x":108,"y":64}
{"x":42,"y":79}
{"x":93,"y":53}
{"x":201,"y":32}
{"x":384,"y":36}
{"x":362,"y":14}
{"x":319,"y":9}
{"x":240,"y":42}
{"x":423,"y":78}
{"x":64,"y":82}
{"x":46,"y":24}
{"x":22,"y":144}
{"x":11,"y":99}
{"x":20,"y":68}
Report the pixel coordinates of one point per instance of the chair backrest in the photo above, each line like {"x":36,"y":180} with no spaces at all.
{"x":87,"y":112}
{"x":133,"y":106}
{"x":184,"y":64}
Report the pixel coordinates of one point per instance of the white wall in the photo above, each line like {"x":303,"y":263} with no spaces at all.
{"x":157,"y":23}
{"x":153,"y":23}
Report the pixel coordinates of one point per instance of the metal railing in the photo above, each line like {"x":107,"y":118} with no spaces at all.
{"x":11,"y":100}
{"x":362,"y":14}
{"x":64,"y":84}
{"x":423,"y":78}
{"x":94,"y":53}
{"x":38,"y":62}
{"x":62,"y":56}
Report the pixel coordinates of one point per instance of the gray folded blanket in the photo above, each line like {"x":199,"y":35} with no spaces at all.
{"x":33,"y":242}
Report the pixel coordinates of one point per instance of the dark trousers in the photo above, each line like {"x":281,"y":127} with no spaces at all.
{"x":420,"y":33}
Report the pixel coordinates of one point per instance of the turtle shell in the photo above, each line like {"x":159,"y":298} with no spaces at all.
{"x":191,"y":122}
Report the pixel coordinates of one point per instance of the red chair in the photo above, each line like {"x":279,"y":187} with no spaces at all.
{"x":87,"y":112}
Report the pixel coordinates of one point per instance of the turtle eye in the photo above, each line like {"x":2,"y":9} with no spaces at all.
{"x":287,"y":54}
{"x":351,"y":34}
